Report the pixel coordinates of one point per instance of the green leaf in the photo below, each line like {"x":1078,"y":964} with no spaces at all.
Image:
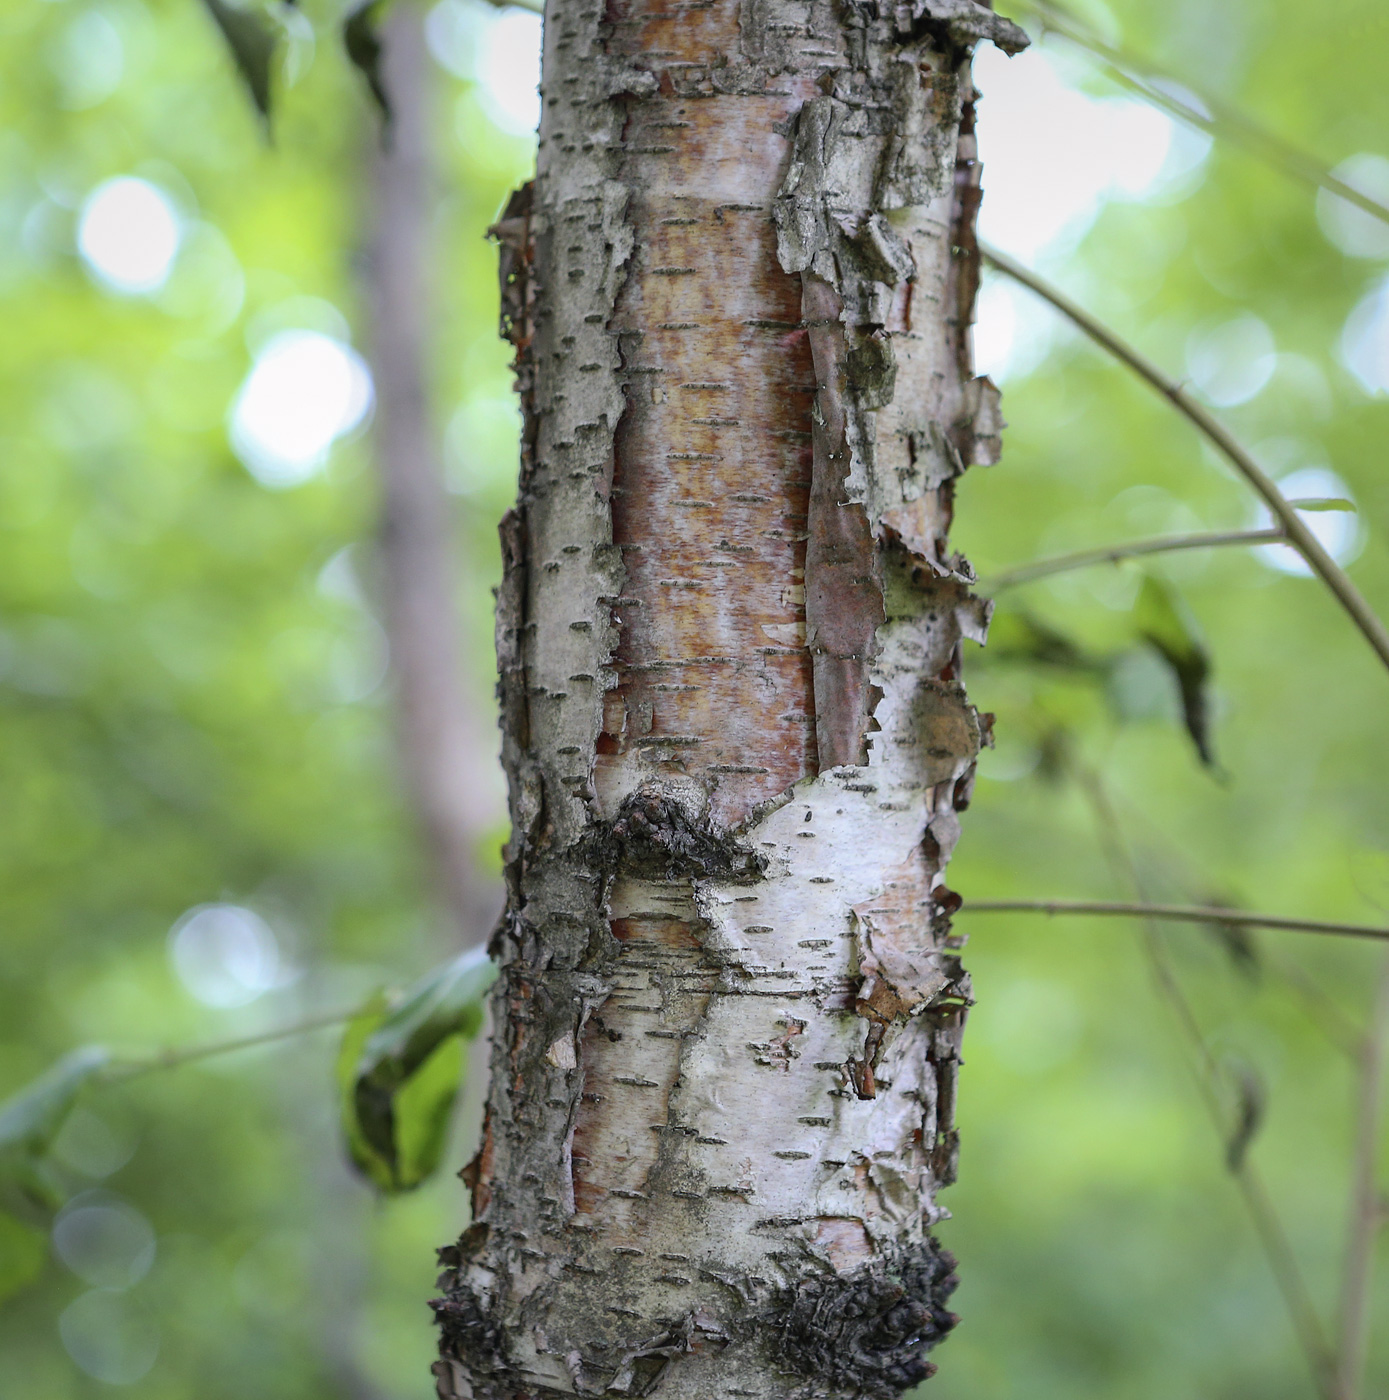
{"x":362,"y":40}
{"x":1250,"y":1101}
{"x":1018,"y":635}
{"x":1240,"y":946}
{"x":30,"y":1120}
{"x":1324,"y":503}
{"x":355,"y":1036}
{"x":424,"y":1110}
{"x":400,"y":1067}
{"x":22,"y":1252}
{"x":251,"y":39}
{"x":1165,"y":623}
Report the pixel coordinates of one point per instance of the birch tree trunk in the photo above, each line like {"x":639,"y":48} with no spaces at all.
{"x":729,"y":1016}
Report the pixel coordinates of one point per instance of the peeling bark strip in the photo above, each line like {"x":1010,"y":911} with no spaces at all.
{"x":729,"y":637}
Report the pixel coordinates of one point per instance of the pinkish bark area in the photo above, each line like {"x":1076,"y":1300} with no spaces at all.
{"x":730,"y":640}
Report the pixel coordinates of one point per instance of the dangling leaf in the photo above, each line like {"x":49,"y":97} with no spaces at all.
{"x":251,"y":39}
{"x":1164,"y":622}
{"x":400,"y":1068}
{"x":358,"y":1031}
{"x":1250,"y":1100}
{"x":30,"y":1120}
{"x":1239,"y":944}
{"x":1323,"y":503}
{"x":361,"y":37}
{"x":1018,"y":635}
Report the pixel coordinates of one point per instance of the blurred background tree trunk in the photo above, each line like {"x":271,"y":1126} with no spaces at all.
{"x":446,"y":740}
{"x":730,"y":636}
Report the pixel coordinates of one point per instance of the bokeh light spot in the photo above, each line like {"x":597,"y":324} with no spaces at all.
{"x":88,"y":60}
{"x":92,"y":1145}
{"x":304,"y":392}
{"x":1339,"y":531}
{"x":106,"y":1242}
{"x":129,"y":235}
{"x":108,"y":1337}
{"x":1355,"y":231}
{"x":1053,"y":155}
{"x":225,"y":955}
{"x":1365,"y":341}
{"x":508,"y":67}
{"x":1231,"y":362}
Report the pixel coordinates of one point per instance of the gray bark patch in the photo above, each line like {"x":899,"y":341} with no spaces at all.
{"x":654,"y":837}
{"x":869,"y":1333}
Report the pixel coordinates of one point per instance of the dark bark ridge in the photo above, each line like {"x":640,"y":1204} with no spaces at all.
{"x":729,"y":641}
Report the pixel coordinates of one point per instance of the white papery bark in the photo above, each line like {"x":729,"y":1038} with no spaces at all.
{"x":737,"y":739}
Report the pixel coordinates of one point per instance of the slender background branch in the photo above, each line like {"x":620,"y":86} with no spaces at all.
{"x":1180,"y":913}
{"x":1085,"y":558}
{"x":1208,"y":1075}
{"x":131,"y":1067}
{"x":1366,"y":1203}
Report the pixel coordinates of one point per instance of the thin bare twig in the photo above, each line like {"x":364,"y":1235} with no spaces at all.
{"x":1164,"y":544}
{"x":177,"y":1056}
{"x":1323,"y":1010}
{"x":1367,"y":1208}
{"x":1299,"y":536}
{"x":1282,"y":1261}
{"x":1202,"y":110}
{"x":1180,"y":913}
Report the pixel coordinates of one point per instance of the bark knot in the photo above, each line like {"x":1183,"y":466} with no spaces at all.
{"x":869,"y":1333}
{"x":654,"y":837}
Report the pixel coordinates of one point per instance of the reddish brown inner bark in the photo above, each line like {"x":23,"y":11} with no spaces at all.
{"x":713,"y":456}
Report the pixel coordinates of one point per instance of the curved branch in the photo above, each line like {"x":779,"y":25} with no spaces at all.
{"x":1299,"y":536}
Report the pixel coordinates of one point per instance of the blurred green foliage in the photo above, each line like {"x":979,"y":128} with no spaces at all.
{"x":193,"y":713}
{"x":192,"y":708}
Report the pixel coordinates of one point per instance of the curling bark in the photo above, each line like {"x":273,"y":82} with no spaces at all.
{"x":730,"y":633}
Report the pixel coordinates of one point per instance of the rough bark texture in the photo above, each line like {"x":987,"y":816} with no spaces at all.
{"x":444,"y":747}
{"x":730,"y":1010}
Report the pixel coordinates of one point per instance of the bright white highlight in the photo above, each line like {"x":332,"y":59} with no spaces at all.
{"x":225,"y":955}
{"x":507,"y":65}
{"x":1013,"y":330}
{"x":1053,"y":156}
{"x":448,"y":29}
{"x":128,"y":235}
{"x":1352,"y":230}
{"x":1365,"y":341}
{"x":304,"y":392}
{"x":1231,"y":362}
{"x":1338,"y":531}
